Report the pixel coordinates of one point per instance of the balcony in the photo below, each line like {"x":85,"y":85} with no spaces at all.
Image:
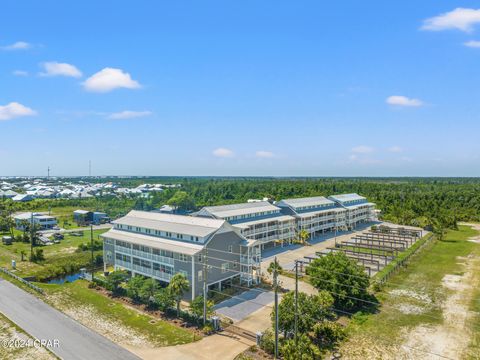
{"x":157,"y":258}
{"x":123,"y":250}
{"x":123,"y":264}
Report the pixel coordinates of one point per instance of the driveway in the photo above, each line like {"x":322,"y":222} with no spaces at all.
{"x":248,"y":302}
{"x":43,"y":322}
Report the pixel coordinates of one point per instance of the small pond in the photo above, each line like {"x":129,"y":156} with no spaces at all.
{"x":65,"y":278}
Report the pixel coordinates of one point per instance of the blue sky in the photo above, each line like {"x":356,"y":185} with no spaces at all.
{"x":340,"y":88}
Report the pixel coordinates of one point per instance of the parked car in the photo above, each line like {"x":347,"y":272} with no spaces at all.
{"x":58,"y":236}
{"x":7,"y":240}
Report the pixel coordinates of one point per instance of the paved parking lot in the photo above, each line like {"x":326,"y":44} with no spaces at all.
{"x":243,"y":305}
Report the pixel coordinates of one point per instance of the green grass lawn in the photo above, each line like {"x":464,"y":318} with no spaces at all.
{"x":423,"y":277}
{"x":160,"y":333}
{"x":61,"y":253}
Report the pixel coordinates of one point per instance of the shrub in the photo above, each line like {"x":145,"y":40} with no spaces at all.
{"x":267,"y":343}
{"x":328,"y":333}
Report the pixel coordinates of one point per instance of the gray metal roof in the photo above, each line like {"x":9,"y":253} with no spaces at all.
{"x":180,"y":224}
{"x":224,"y":211}
{"x":307,"y":201}
{"x":154,"y":242}
{"x":347,"y":197}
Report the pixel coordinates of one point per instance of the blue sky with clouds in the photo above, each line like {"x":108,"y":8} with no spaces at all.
{"x":340,"y":88}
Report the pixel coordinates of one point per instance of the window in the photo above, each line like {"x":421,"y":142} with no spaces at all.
{"x":199,"y":258}
{"x":146,"y":264}
{"x":200,"y":275}
{"x":224,"y":267}
{"x":183,"y":257}
{"x":230,"y":248}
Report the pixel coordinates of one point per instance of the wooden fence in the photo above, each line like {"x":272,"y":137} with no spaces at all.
{"x":22,"y":280}
{"x":404,"y":262}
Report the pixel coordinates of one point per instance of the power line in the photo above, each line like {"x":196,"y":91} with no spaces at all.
{"x":340,"y":311}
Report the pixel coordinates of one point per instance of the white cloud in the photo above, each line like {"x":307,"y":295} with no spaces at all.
{"x":362,"y":149}
{"x":399,"y":100}
{"x":127,"y":114}
{"x":223,"y":152}
{"x":264,"y":154}
{"x":110,"y":79}
{"x":14,"y":110}
{"x":460,"y":19}
{"x":54,"y":68}
{"x":20,"y":73}
{"x":472,"y":44}
{"x":19,"y":45}
{"x":395,"y":149}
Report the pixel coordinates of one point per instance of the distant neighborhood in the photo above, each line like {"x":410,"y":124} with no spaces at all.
{"x":26,"y":189}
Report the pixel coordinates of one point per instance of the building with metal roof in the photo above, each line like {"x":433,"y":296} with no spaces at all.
{"x":315,"y":215}
{"x":259,"y":221}
{"x":358,"y":209}
{"x":160,"y":245}
{"x":41,"y":221}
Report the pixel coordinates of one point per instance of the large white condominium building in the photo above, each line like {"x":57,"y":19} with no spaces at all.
{"x":315,"y":215}
{"x":160,"y":245}
{"x":259,"y":221}
{"x":358,"y":209}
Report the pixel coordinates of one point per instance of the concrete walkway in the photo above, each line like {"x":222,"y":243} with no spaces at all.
{"x":218,"y":346}
{"x":244,"y":304}
{"x":43,"y":322}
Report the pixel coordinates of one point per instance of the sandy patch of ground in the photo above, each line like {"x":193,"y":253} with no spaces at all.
{"x":9,"y":332}
{"x":451,"y":338}
{"x":111,"y":329}
{"x":411,"y":294}
{"x":68,"y":250}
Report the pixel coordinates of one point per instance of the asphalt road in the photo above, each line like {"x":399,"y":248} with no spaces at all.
{"x":43,"y":322}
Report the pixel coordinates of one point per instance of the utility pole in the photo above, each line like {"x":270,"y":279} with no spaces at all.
{"x":275,"y":287}
{"x":205,"y":292}
{"x":48,"y":173}
{"x":296,"y":302}
{"x":32,"y":236}
{"x":91,"y":247}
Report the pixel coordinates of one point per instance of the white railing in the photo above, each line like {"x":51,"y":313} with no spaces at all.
{"x":123,"y":250}
{"x":122,"y":263}
{"x":162,"y":275}
{"x":158,"y":258}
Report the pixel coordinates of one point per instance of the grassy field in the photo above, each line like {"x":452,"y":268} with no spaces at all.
{"x":416,"y":297}
{"x":113,"y":318}
{"x":56,"y":254}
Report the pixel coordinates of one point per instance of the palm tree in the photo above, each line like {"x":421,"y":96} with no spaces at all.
{"x":274,"y":265}
{"x":178,"y":286}
{"x":303,"y":236}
